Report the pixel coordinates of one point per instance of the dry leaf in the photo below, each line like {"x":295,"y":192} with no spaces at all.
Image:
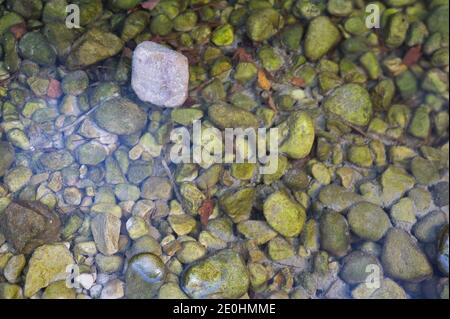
{"x":18,"y":30}
{"x":296,"y":81}
{"x":412,"y":56}
{"x":243,"y":56}
{"x":205,"y":211}
{"x":263,"y":82}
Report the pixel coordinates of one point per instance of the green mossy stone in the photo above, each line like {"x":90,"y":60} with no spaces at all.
{"x":96,"y":45}
{"x":334,"y":234}
{"x":351,"y":102}
{"x":35,"y":47}
{"x":402,"y":258}
{"x":256,"y":230}
{"x":425,"y":171}
{"x":7,"y":20}
{"x":300,"y":133}
{"x":284,"y":215}
{"x":186,"y":117}
{"x":279,"y":249}
{"x":263,"y":24}
{"x":223,"y":275}
{"x":10,"y":291}
{"x":75,"y":83}
{"x":338,"y":198}
{"x":120,"y":116}
{"x":270,"y":59}
{"x":59,"y":290}
{"x":161,"y":25}
{"x":185,"y":22}
{"x":144,"y":277}
{"x":238,"y":204}
{"x":48,"y":264}
{"x":243,"y":171}
{"x":397,"y":30}
{"x":361,"y":156}
{"x":382,"y":94}
{"x":245,"y":72}
{"x":134,"y":24}
{"x":223,"y":35}
{"x":438,"y":21}
{"x":321,"y":37}
{"x":92,"y":153}
{"x":292,"y":36}
{"x":395,"y":182}
{"x":407,"y":84}
{"x":226,"y":116}
{"x":171,"y":291}
{"x":368,"y":221}
{"x":340,"y":8}
{"x":7,"y":158}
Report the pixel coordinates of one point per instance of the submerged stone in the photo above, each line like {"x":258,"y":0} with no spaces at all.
{"x":120,"y":116}
{"x":27,"y":225}
{"x":160,"y":75}
{"x":223,"y":275}
{"x":95,"y":45}
{"x":284,"y":215}
{"x":403,"y":259}
{"x":351,"y":102}
{"x":145,"y":276}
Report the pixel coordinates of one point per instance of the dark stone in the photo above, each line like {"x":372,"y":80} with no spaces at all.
{"x":28,"y":225}
{"x":440,"y":194}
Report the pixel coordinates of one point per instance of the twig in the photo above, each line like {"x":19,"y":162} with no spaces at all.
{"x":174,"y":185}
{"x":85,"y":115}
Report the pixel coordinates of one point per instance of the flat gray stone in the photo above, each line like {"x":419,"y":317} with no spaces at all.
{"x":160,"y":75}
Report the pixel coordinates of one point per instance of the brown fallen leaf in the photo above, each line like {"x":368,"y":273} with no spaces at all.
{"x":54,"y":89}
{"x":205,"y":211}
{"x":412,"y":56}
{"x":242,"y":55}
{"x":271,"y":103}
{"x":263,"y":82}
{"x":299,"y":82}
{"x":18,"y":30}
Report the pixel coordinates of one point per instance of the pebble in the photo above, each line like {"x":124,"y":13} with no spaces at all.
{"x":160,"y":75}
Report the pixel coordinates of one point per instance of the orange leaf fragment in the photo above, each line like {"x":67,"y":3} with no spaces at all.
{"x":263,"y":81}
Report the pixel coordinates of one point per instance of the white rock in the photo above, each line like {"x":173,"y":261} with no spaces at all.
{"x":160,"y":75}
{"x":86,"y":281}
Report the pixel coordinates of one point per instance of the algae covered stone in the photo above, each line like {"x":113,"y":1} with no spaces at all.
{"x":238,"y":204}
{"x":145,"y":276}
{"x":120,"y":116}
{"x":300,"y":136}
{"x":403,"y":259}
{"x":321,"y":37}
{"x":263,"y":24}
{"x":34,"y":46}
{"x":95,"y":45}
{"x":48,"y":264}
{"x":368,"y":221}
{"x":334,"y":234}
{"x":7,"y":157}
{"x":227,"y":116}
{"x":160,"y":75}
{"x":351,"y":102}
{"x":284,"y":215}
{"x":223,"y":275}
